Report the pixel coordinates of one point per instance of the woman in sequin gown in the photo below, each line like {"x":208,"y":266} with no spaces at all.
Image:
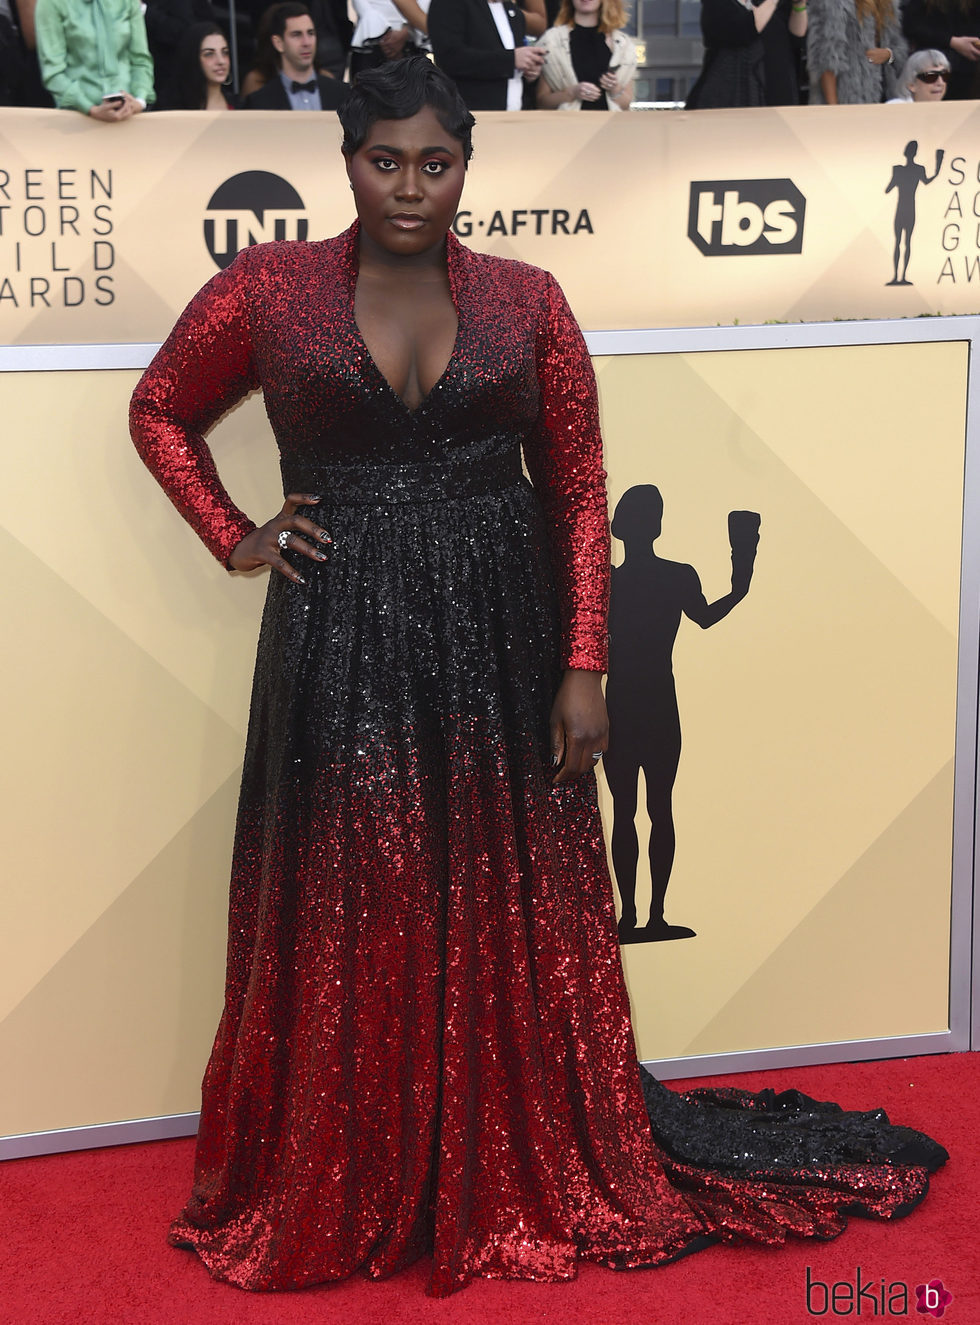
{"x":425,"y":1047}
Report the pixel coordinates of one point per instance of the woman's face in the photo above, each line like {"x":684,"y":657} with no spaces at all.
{"x":407,"y":177}
{"x":587,"y":9}
{"x":926,"y":87}
{"x":215,"y":60}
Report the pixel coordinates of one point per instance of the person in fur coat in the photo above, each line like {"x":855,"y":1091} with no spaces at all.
{"x":854,"y":50}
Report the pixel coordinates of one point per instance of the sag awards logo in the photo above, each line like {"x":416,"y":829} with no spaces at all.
{"x":56,"y":244}
{"x":746,"y":217}
{"x":958,"y":196}
{"x":906,"y":179}
{"x":252,"y":208}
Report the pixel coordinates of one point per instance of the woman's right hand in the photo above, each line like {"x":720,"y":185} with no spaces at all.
{"x":585,"y":92}
{"x":968,"y":47}
{"x":262,"y":547}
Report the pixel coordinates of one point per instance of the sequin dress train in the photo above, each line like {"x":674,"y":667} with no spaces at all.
{"x":425,"y":1047}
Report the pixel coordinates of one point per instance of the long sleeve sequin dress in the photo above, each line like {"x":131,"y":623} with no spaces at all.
{"x":426,"y":1046}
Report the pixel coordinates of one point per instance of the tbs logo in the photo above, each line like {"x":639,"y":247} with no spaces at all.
{"x":736,"y":217}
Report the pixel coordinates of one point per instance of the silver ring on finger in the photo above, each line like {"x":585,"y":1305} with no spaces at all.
{"x":283,"y":539}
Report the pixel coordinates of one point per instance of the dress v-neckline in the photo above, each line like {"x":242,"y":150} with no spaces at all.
{"x":453,"y":248}
{"x":436,"y":385}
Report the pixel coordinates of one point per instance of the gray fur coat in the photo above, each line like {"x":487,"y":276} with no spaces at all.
{"x":837,"y":42}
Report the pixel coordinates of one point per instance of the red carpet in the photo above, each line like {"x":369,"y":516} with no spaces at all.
{"x":84,"y":1241}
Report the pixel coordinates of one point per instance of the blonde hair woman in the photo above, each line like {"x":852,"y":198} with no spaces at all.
{"x":589,"y":62}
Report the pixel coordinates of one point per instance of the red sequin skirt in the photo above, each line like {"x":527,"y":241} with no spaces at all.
{"x":425,"y":1047}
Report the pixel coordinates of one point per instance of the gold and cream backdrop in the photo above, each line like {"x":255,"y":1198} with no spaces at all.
{"x":646,"y":219}
{"x":126,"y":699}
{"x":813,"y":801}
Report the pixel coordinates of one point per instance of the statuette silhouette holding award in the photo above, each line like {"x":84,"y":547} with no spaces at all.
{"x":648,"y":598}
{"x":906,"y":180}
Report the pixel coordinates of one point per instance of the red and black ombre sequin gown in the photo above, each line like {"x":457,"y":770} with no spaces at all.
{"x":426,"y":1045}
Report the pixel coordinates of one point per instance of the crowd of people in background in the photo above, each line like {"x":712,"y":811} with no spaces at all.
{"x":852,"y":52}
{"x":111,"y":59}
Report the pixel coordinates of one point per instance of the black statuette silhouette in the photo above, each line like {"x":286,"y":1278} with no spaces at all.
{"x":906,"y":180}
{"x":649,"y":596}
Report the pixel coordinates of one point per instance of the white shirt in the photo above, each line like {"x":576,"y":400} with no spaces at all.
{"x":515,"y":84}
{"x":375,"y":17}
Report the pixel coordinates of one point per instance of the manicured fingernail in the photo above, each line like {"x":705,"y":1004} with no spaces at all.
{"x":320,"y":556}
{"x":554,"y":761}
{"x":300,"y":580}
{"x":325,"y":537}
{"x":314,"y":499}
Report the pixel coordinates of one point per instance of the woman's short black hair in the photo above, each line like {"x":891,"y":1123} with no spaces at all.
{"x":398,"y":89}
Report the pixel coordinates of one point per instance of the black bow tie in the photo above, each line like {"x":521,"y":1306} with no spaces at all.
{"x":304,"y":87}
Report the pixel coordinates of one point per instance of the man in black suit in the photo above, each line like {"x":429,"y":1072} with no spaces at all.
{"x":480,"y":45}
{"x":298,"y":86}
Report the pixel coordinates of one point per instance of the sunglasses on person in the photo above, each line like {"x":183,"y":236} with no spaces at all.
{"x":932,"y":75}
